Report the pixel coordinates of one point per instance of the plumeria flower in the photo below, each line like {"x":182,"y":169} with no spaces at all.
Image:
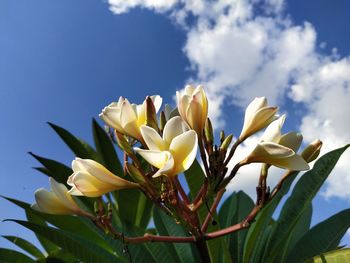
{"x":92,"y":179}
{"x":127,"y":118}
{"x":193,"y":107}
{"x":279,"y":150}
{"x":257,"y":116}
{"x":57,"y":201}
{"x":174,"y":152}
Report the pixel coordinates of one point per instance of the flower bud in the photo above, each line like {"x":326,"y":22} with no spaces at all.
{"x":151,"y":114}
{"x":208,"y":131}
{"x":162,"y":120}
{"x":92,"y":179}
{"x":311,"y":152}
{"x":222,"y":136}
{"x":193,"y":107}
{"x":123,"y":143}
{"x":127,"y":118}
{"x":226,"y":143}
{"x":135,"y":173}
{"x":57,"y":201}
{"x":257,"y":116}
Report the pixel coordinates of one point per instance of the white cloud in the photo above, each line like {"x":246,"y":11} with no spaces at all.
{"x":123,"y":6}
{"x":326,"y":92}
{"x":243,"y":49}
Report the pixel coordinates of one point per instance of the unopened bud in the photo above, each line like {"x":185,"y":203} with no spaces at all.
{"x":226,"y":143}
{"x":151,"y":114}
{"x":174,"y":113}
{"x":135,"y":173}
{"x":208,"y":131}
{"x":123,"y":143}
{"x":222,"y":136}
{"x":96,"y":207}
{"x":162,"y":120}
{"x":312,"y":151}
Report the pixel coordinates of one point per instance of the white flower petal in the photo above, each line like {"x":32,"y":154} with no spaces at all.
{"x":152,"y":139}
{"x":101,"y":173}
{"x":157,"y":102}
{"x":268,"y":150}
{"x":189,"y":89}
{"x":155,"y":158}
{"x":174,"y":127}
{"x":273,"y":131}
{"x":49,"y":203}
{"x":128,"y":119}
{"x":111,"y":115}
{"x":252,"y":108}
{"x":91,"y":186}
{"x":60,"y":190}
{"x":293,"y":163}
{"x":291,"y":140}
{"x":168,"y":167}
{"x":194,"y":114}
{"x":184,"y":149}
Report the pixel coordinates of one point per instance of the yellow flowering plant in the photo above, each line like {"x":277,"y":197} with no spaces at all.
{"x":144,"y":210}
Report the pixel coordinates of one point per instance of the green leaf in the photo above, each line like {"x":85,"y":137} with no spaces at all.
{"x":76,"y":225}
{"x":180,"y":252}
{"x":301,"y":227}
{"x":58,"y":171}
{"x":264,"y":218}
{"x":261,"y":243}
{"x":83,"y":249}
{"x":146,"y":252}
{"x":323,"y":237}
{"x":105,"y":149}
{"x":303,"y":193}
{"x":80,"y":148}
{"x":26,"y":246}
{"x":335,"y":256}
{"x":195,"y":178}
{"x":236,"y":208}
{"x":13,"y":256}
{"x":127,"y":203}
{"x":143,"y":211}
{"x":49,"y":247}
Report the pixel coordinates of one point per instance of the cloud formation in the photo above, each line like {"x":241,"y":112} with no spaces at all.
{"x":243,"y":49}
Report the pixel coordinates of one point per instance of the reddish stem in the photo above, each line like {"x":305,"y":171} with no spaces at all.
{"x":212,"y":210}
{"x":181,"y":191}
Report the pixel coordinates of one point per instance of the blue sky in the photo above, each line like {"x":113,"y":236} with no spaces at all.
{"x":63,"y":61}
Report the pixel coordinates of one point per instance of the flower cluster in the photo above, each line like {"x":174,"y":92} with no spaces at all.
{"x":159,"y":145}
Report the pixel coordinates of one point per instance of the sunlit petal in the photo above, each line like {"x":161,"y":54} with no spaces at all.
{"x":294,"y":163}
{"x":273,"y":131}
{"x":91,"y":186}
{"x":184,"y":149}
{"x":155,"y":158}
{"x":152,"y":139}
{"x":60,"y":190}
{"x":168,"y":168}
{"x":49,"y":203}
{"x":174,"y":127}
